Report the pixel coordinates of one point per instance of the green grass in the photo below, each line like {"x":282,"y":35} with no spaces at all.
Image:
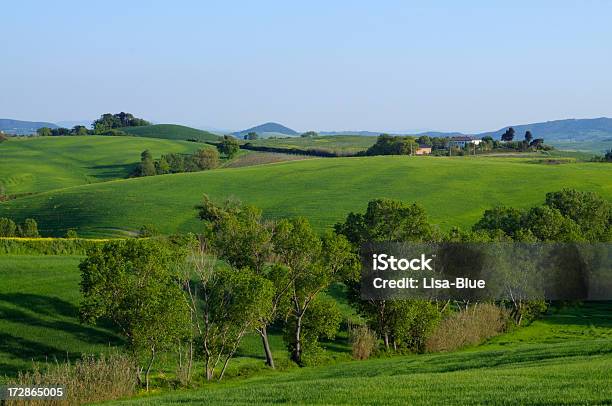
{"x":564,"y":358}
{"x":454,"y":191}
{"x":171,"y":132}
{"x":340,"y":144}
{"x":36,"y":164}
{"x":39,"y":298}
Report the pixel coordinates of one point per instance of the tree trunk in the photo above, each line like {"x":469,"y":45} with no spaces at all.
{"x":266,"y":345}
{"x":149,"y":367}
{"x":386,"y":337}
{"x":297,"y":350}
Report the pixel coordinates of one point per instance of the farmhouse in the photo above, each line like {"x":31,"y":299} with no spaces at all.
{"x":462,"y":141}
{"x":423,"y":150}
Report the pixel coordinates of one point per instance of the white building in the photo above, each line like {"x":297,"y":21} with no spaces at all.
{"x":462,"y":141}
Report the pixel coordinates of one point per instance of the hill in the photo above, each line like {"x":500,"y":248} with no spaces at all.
{"x":37,"y":164}
{"x":19,"y":127}
{"x":267,"y":128}
{"x":171,"y":132}
{"x":337,"y":144}
{"x":454,"y":191}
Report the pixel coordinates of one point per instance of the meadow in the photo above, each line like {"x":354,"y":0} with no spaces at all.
{"x":36,"y":164}
{"x":454,"y":191}
{"x":339,"y":144}
{"x":171,"y":132}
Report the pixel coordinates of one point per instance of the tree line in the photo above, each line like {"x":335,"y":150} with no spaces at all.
{"x":201,"y":160}
{"x":8,"y":228}
{"x":107,"y":124}
{"x":199,"y":297}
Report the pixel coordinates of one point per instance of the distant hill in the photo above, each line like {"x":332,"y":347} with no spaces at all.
{"x":171,"y":132}
{"x":19,"y":127}
{"x":267,"y":128}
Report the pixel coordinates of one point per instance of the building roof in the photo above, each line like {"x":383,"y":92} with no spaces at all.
{"x":463,"y":138}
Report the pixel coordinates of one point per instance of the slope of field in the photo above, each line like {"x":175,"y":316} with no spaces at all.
{"x":39,"y":298}
{"x":171,"y":132}
{"x":339,"y":144}
{"x":454,"y":191}
{"x":44,"y":163}
{"x":563,"y":359}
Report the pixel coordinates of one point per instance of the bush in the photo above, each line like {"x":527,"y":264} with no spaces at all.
{"x":468,"y":327}
{"x":363,"y":342}
{"x":47,"y":246}
{"x":71,"y":233}
{"x":90,"y":379}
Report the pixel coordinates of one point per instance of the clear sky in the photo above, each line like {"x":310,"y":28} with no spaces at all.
{"x":323,"y":65}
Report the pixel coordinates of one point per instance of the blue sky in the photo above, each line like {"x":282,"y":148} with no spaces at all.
{"x":323,"y":65}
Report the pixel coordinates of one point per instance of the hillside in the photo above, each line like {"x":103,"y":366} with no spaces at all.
{"x":455,"y":191}
{"x":171,"y":132}
{"x":338,"y":144}
{"x":39,"y":164}
{"x":267,"y":128}
{"x":19,"y":127}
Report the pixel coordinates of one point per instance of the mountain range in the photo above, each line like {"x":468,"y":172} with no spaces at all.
{"x":19,"y":127}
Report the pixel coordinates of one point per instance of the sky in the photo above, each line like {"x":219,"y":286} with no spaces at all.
{"x":312,"y":65}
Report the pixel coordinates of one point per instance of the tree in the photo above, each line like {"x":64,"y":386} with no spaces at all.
{"x":44,"y":132}
{"x":131,"y":283}
{"x":312,"y":264}
{"x":225,"y":304}
{"x":79,"y":130}
{"x":3,"y":137}
{"x":228,"y":146}
{"x":528,"y":136}
{"x":393,"y":145}
{"x":507,"y":219}
{"x":146,"y":166}
{"x":251,"y":136}
{"x":309,"y":134}
{"x":508,"y":135}
{"x":207,"y":158}
{"x":71,"y":233}
{"x":29,"y":229}
{"x":8,"y":228}
{"x":110,"y":121}
{"x":537,"y":143}
{"x":425,"y":140}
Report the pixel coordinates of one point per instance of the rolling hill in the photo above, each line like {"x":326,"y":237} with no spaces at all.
{"x":39,"y":164}
{"x":19,"y":127}
{"x":454,"y":191}
{"x":171,"y":132}
{"x":267,"y":129}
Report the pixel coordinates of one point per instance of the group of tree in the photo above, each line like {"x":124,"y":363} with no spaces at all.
{"x":393,"y":145}
{"x":8,"y":228}
{"x":507,"y":138}
{"x":606,"y":157}
{"x":200,"y":296}
{"x":309,"y":134}
{"x":107,"y":124}
{"x":201,"y":160}
{"x":251,"y":136}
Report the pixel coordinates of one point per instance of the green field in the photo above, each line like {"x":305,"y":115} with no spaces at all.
{"x":339,"y":144}
{"x":455,"y":191}
{"x":565,"y":358}
{"x":171,"y":132}
{"x":36,"y":164}
{"x":39,"y":298}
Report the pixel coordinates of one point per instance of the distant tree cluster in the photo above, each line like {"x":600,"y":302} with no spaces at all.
{"x":201,"y":160}
{"x":110,"y":121}
{"x":251,"y":136}
{"x":606,"y":157}
{"x":393,"y":145}
{"x":8,"y":228}
{"x":309,"y":134}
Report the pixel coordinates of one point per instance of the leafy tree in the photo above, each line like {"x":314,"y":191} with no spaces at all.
{"x":225,"y":305}
{"x":110,"y":121}
{"x":312,"y":264}
{"x":146,"y":166}
{"x":131,"y":283}
{"x":8,"y":228}
{"x":44,"y":132}
{"x":528,"y":136}
{"x":507,"y":219}
{"x":71,"y":233}
{"x":79,"y":130}
{"x":29,"y":229}
{"x":608,"y":156}
{"x":537,"y":143}
{"x":251,"y":136}
{"x":309,"y":134}
{"x":548,"y":224}
{"x":228,"y":146}
{"x":425,"y":140}
{"x":147,"y":231}
{"x":508,"y":135}
{"x":207,"y":158}
{"x":162,"y":166}
{"x":393,"y":145}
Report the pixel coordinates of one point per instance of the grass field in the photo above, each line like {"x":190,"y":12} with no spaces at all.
{"x":171,"y":132}
{"x":455,"y":191}
{"x":39,"y":298}
{"x":36,"y":164}
{"x":340,"y":144}
{"x":566,"y":358}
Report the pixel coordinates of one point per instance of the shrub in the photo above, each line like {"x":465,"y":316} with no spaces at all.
{"x":71,"y":233}
{"x":90,"y":379}
{"x":47,"y":246}
{"x":8,"y":228}
{"x":468,"y":327}
{"x":363,"y":342}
